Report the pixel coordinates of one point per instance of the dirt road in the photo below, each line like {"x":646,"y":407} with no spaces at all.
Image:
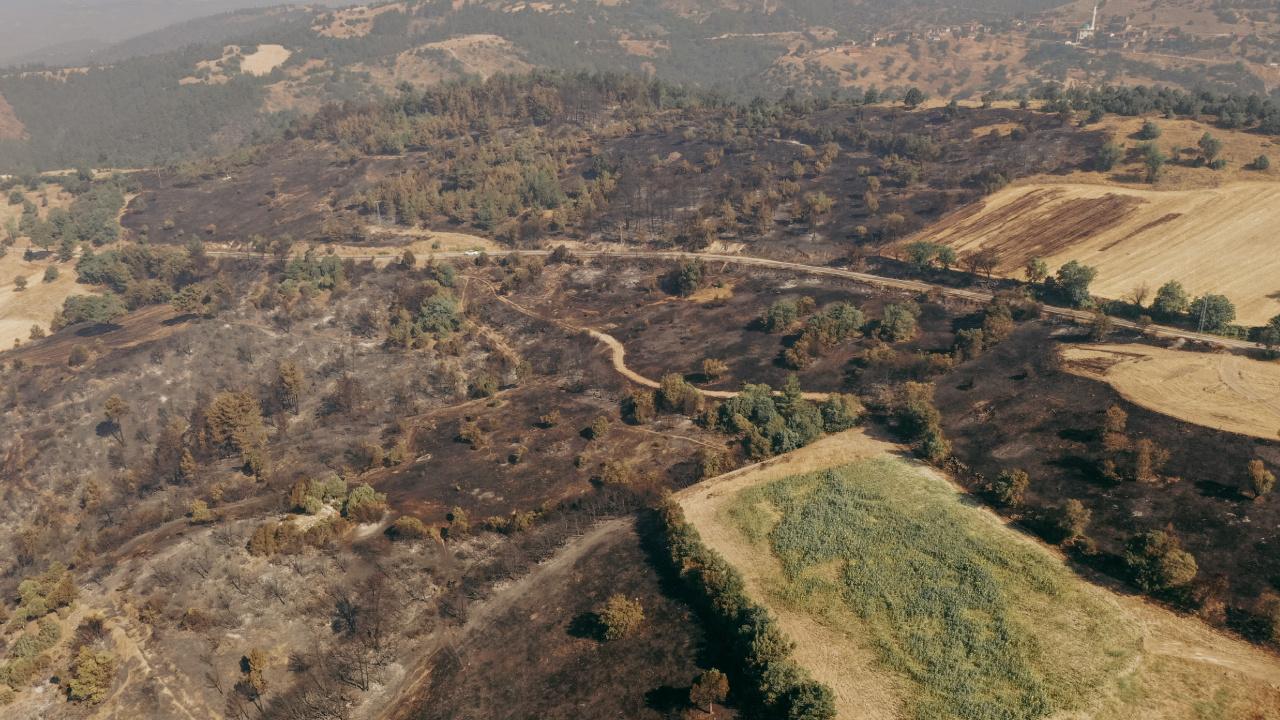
{"x":974,"y":295}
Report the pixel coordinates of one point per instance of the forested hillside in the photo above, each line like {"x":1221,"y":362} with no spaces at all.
{"x":200,"y":100}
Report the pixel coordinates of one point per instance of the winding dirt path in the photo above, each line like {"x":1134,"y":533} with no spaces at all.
{"x":618,"y":354}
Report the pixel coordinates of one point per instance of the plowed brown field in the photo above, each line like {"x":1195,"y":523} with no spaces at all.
{"x":1223,"y":240}
{"x":1227,"y":392}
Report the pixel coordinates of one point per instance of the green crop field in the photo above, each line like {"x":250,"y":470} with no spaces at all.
{"x":979,"y":622}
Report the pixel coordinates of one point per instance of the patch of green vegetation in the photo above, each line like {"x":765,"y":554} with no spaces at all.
{"x":985,"y":626}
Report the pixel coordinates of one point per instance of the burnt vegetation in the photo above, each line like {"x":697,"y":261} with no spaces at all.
{"x":332,"y":476}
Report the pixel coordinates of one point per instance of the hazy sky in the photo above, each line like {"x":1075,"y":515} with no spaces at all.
{"x":28,"y":25}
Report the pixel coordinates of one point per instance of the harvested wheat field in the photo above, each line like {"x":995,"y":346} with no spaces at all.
{"x":1217,"y":390}
{"x":1221,"y":240}
{"x":911,"y":601}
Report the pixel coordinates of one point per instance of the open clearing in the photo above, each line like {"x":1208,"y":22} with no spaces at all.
{"x":1094,"y":653}
{"x":1215,"y":240}
{"x":1219,"y":390}
{"x":19,"y":310}
{"x":266,"y":59}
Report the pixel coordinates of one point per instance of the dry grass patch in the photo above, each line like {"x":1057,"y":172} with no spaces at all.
{"x":1221,"y":391}
{"x":19,"y":310}
{"x":1219,"y":240}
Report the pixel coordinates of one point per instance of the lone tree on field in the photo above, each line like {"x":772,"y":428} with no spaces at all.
{"x":20,"y":282}
{"x":1171,"y":299}
{"x":115,"y":409}
{"x":620,"y":617}
{"x":1210,"y":146}
{"x":1108,"y":155}
{"x":913,"y":97}
{"x":710,"y":688}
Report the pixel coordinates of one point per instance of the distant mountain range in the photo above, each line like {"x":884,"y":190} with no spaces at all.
{"x":72,"y":31}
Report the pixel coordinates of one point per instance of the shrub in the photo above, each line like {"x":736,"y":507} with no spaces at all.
{"x":93,"y":672}
{"x":459,"y":524}
{"x":779,"y":316}
{"x":616,"y":472}
{"x":1108,"y":155}
{"x":1258,"y":479}
{"x":642,"y":406}
{"x":678,"y":396}
{"x":840,"y":412}
{"x":1071,"y":520}
{"x":550,"y":420}
{"x":407,"y":527}
{"x":200,"y":513}
{"x":620,"y":617}
{"x":79,"y":355}
{"x":599,"y":428}
{"x":50,"y":274}
{"x":1157,"y":561}
{"x":365,"y":505}
{"x":899,"y":321}
{"x":1262,"y":162}
{"x":713,"y":369}
{"x":1010,"y":486}
{"x":1151,"y":131}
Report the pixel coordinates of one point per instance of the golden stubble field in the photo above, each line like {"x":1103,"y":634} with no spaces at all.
{"x":1213,"y":231}
{"x":1181,"y":668}
{"x":1217,"y":390}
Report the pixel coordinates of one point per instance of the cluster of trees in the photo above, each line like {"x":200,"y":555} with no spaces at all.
{"x":137,"y":275}
{"x":766,"y":676}
{"x":1111,"y":152}
{"x":90,"y":219}
{"x":822,"y":331}
{"x":1123,"y":458}
{"x":1232,"y":110}
{"x":39,"y":598}
{"x":770,"y":425}
{"x":362,"y":504}
{"x":998,"y":322}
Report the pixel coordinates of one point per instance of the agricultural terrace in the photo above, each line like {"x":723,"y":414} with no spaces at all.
{"x":912,"y":602}
{"x":1211,"y":240}
{"x":1217,"y":390}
